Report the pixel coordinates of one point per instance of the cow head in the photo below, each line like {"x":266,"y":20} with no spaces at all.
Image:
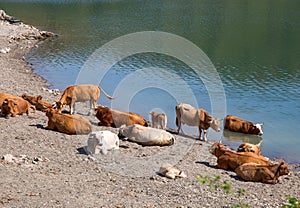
{"x":214,"y":147}
{"x":50,"y":111}
{"x":259,"y":127}
{"x":283,"y":169}
{"x":247,"y":147}
{"x":256,"y":129}
{"x":31,"y":99}
{"x":59,"y":106}
{"x":9,"y":107}
{"x":215,"y":124}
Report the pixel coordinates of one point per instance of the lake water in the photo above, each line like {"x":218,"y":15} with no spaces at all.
{"x":254,"y":46}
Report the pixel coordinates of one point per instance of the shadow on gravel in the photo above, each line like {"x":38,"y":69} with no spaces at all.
{"x":81,"y":151}
{"x":39,"y":126}
{"x":206,"y":164}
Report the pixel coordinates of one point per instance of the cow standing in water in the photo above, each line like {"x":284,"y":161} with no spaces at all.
{"x":187,"y":114}
{"x":233,"y":123}
{"x":80,"y":93}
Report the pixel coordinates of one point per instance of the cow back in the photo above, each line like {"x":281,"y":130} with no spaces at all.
{"x":80,"y":93}
{"x":188,"y":114}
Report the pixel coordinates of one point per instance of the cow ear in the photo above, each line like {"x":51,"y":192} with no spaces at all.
{"x":39,"y":97}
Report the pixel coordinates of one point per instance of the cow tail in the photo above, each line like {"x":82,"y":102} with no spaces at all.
{"x":107,"y":95}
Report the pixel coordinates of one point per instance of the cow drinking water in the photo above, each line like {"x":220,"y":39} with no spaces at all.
{"x":187,"y":114}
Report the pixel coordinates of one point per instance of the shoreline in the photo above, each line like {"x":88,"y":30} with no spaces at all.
{"x":65,"y":177}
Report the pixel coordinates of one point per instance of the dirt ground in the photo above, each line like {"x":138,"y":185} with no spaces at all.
{"x":51,"y":169}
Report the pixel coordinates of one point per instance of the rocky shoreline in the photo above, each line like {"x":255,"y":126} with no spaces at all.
{"x":52,"y":169}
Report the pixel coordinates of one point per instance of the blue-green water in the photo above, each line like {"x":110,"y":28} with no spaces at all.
{"x":254,"y":46}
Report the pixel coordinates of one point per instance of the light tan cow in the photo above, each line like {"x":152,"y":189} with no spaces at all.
{"x":171,"y":172}
{"x":68,"y":124}
{"x":247,"y":147}
{"x":80,"y":93}
{"x":159,"y":120}
{"x":146,"y":136}
{"x":187,"y":114}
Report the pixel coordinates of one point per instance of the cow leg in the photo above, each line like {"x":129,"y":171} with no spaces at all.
{"x":92,"y":106}
{"x":200,"y":133}
{"x":204,"y":135}
{"x":72,"y":108}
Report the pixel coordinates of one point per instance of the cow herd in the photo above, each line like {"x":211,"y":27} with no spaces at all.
{"x":247,"y":162}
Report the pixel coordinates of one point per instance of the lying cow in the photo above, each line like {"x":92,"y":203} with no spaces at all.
{"x":230,"y":160}
{"x":102,"y":141}
{"x":80,"y":93}
{"x":159,"y":120}
{"x":37,"y":102}
{"x":233,"y":123}
{"x":172,"y":172}
{"x":262,"y":173}
{"x":114,"y":118}
{"x":187,"y":114}
{"x":4,"y":96}
{"x":14,"y":107}
{"x":146,"y":136}
{"x":68,"y":124}
{"x":247,"y":147}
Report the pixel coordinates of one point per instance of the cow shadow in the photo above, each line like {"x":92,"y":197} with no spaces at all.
{"x":82,"y":151}
{"x":39,"y":126}
{"x":206,"y":164}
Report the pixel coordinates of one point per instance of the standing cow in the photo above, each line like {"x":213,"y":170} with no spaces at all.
{"x":187,"y":114}
{"x":159,"y":120}
{"x":233,"y":123}
{"x":80,"y":93}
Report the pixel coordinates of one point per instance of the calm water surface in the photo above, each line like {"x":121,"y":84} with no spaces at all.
{"x":254,"y":46}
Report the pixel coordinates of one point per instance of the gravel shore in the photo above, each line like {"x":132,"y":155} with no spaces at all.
{"x":51,"y":169}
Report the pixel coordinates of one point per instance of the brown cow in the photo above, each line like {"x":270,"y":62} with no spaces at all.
{"x":187,"y":114}
{"x":262,"y":173}
{"x":159,"y":120}
{"x":230,"y":160}
{"x":4,"y":96}
{"x":68,"y":124}
{"x":247,"y":147}
{"x":115,"y":118}
{"x":16,"y":106}
{"x":80,"y":93}
{"x":37,"y":102}
{"x":233,"y":123}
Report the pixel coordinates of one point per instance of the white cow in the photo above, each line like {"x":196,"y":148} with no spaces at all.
{"x":191,"y":116}
{"x":102,"y":141}
{"x":147,"y":136}
{"x":159,"y":120}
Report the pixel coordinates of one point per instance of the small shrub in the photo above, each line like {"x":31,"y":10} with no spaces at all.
{"x":292,"y":203}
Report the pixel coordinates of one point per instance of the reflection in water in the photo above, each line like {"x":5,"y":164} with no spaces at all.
{"x":240,"y":137}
